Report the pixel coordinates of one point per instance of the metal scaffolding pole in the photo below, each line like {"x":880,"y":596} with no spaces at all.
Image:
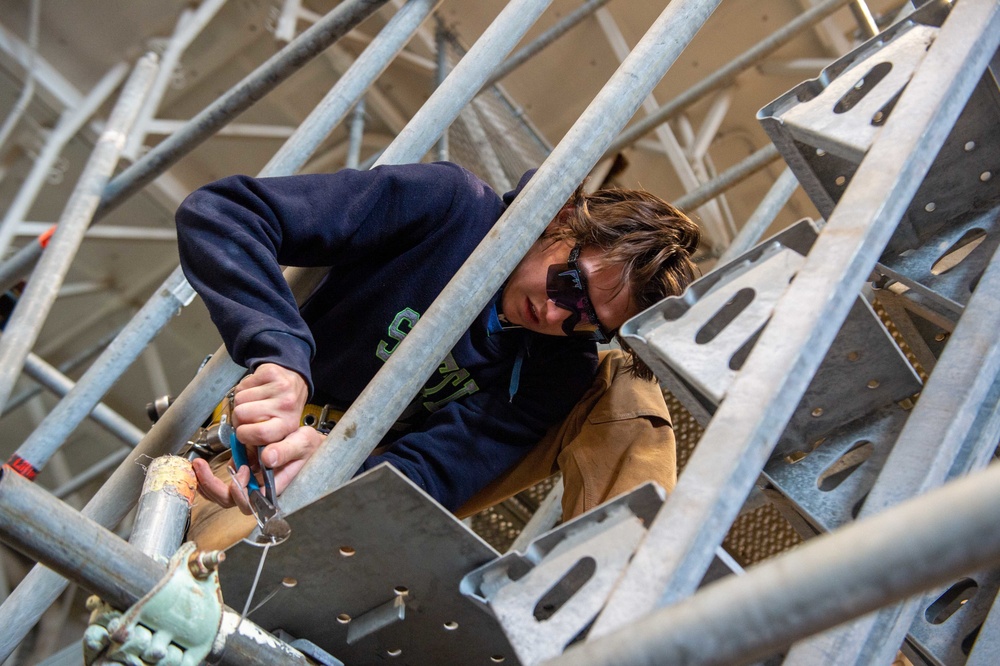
{"x":440,"y":74}
{"x":528,"y":51}
{"x":60,"y":384}
{"x":731,"y":176}
{"x":678,"y":547}
{"x":762,"y":217}
{"x":829,"y":579}
{"x":357,"y":133}
{"x":944,"y":422}
{"x":334,"y":25}
{"x":64,"y":367}
{"x":70,"y":122}
{"x":164,"y":506}
{"x":726,"y":74}
{"x":48,"y":531}
{"x":176,"y":293}
{"x":374,"y":411}
{"x":15,"y":114}
{"x":40,"y":587}
{"x":33,"y":307}
{"x":189,"y":26}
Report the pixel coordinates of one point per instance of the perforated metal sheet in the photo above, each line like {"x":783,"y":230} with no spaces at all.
{"x":351,"y":553}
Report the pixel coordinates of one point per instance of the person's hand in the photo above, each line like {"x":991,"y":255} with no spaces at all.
{"x":267,"y":411}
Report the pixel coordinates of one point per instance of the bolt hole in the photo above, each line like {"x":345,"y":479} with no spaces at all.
{"x":347,"y":551}
{"x":930,"y":207}
{"x":872,"y":383}
{"x":498,"y":658}
{"x":394,"y":653}
{"x":817,"y":412}
{"x":400,"y":590}
{"x":343,"y":618}
{"x":985,"y":176}
{"x":451,"y":626}
{"x":288,"y":581}
{"x":840,"y":181}
{"x":853,"y":356}
{"x":970,"y":146}
{"x":820,"y":152}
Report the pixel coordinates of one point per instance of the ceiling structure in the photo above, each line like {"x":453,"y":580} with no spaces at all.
{"x":84,"y":49}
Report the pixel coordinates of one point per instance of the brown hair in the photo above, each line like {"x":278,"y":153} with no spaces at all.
{"x":649,"y":238}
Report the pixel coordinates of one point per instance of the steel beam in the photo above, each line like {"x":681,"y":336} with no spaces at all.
{"x":69,"y":124}
{"x":371,"y":415}
{"x":33,"y":306}
{"x":726,"y":74}
{"x":237,"y":99}
{"x":938,"y":429}
{"x":743,"y":432}
{"x":762,"y":217}
{"x":829,"y":579}
{"x":48,"y":531}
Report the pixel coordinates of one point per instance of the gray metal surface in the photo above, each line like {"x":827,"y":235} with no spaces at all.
{"x":703,"y":336}
{"x":949,"y":619}
{"x":919,"y":544}
{"x":744,"y":430}
{"x":926,"y":269}
{"x":371,"y":415}
{"x":376,"y":537}
{"x":547,"y":595}
{"x":823,"y":128}
{"x":829,"y":484}
{"x":25,"y":324}
{"x":986,"y":650}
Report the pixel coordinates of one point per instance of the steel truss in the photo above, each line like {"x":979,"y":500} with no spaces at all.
{"x":656,"y":605}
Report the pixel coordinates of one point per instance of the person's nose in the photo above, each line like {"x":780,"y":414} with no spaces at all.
{"x":554,"y":315}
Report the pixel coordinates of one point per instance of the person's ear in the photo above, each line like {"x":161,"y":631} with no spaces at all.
{"x":559,"y":220}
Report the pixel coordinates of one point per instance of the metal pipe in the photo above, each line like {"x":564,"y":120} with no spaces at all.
{"x":832,"y":578}
{"x":104,"y":231}
{"x":29,"y":86}
{"x":731,"y":176}
{"x":941,"y":425}
{"x":526,"y":52}
{"x":349,"y":88}
{"x":26,"y":322}
{"x":164,"y":506}
{"x":64,"y":367}
{"x":189,"y":25}
{"x":762,"y":217}
{"x":371,"y":415}
{"x":544,"y":519}
{"x":40,"y":587}
{"x":70,"y":122}
{"x":863,"y":15}
{"x":726,"y":74}
{"x":440,"y":74}
{"x":48,"y":531}
{"x":357,"y":133}
{"x":82,"y":398}
{"x":681,"y":540}
{"x":60,"y":384}
{"x":89,"y":474}
{"x":338,"y":22}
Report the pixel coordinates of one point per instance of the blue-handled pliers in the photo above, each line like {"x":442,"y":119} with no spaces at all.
{"x":273,"y":527}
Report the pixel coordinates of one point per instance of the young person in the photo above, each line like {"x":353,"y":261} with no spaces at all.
{"x":393,"y":237}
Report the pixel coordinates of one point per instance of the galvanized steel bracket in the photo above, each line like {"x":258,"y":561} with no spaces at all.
{"x":175,"y":624}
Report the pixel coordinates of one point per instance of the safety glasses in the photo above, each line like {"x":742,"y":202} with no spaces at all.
{"x":566,"y":286}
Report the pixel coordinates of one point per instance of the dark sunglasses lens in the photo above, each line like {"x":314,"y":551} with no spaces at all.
{"x":564,"y":288}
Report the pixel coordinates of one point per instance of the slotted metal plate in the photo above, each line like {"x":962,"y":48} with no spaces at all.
{"x":351,"y":554}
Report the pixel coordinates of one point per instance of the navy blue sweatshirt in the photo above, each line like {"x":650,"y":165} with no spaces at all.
{"x":394,"y":236}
